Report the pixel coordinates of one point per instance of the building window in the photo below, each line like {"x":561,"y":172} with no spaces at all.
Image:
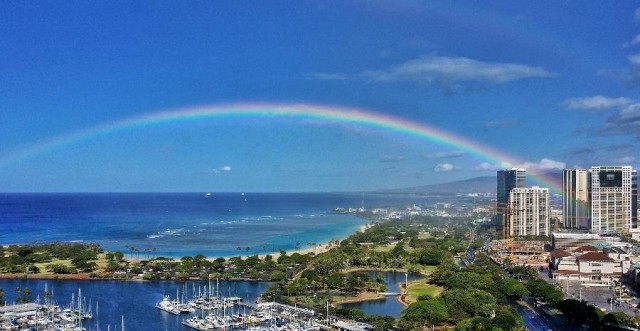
{"x":595,"y":264}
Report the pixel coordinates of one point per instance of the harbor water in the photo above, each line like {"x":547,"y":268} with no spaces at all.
{"x":112,"y":301}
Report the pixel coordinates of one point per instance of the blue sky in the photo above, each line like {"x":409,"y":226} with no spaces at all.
{"x":552,"y":83}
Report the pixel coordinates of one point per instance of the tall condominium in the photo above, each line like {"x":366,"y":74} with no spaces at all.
{"x":508,"y":179}
{"x":614,"y":204}
{"x":576,"y":189}
{"x":530,"y":211}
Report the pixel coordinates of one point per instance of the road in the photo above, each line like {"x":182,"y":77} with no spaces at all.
{"x":532,"y":320}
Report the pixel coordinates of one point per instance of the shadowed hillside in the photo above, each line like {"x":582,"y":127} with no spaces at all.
{"x":485,"y":184}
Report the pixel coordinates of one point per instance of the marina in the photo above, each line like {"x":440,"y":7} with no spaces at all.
{"x":112,"y":302}
{"x":46,"y":316}
{"x":143,"y":306}
{"x":211,"y":311}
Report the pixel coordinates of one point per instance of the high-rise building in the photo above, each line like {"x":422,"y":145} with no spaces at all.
{"x":576,"y":190}
{"x":614,"y":205}
{"x":507,"y":179}
{"x":530,"y":212}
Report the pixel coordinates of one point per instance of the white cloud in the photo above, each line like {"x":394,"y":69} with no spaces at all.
{"x":456,"y":69}
{"x":632,"y":75}
{"x":626,"y":121}
{"x":544,"y":164}
{"x":219,"y":170}
{"x":444,"y":155}
{"x":597,"y":102}
{"x":444,"y":167}
{"x":486,"y":166}
{"x":452,"y":74}
{"x":629,"y":75}
{"x":633,"y":42}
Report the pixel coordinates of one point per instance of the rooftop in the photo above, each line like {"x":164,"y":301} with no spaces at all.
{"x":593,"y":256}
{"x":564,"y":235}
{"x":586,"y":248}
{"x":559,"y":253}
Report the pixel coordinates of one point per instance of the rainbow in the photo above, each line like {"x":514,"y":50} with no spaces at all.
{"x":352,"y":116}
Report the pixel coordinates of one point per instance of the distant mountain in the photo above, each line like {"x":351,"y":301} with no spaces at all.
{"x":551,"y":177}
{"x":485,"y":184}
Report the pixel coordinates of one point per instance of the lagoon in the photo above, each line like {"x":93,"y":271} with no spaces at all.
{"x":390,"y":305}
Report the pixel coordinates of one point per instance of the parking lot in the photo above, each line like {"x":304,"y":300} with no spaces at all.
{"x":608,"y":298}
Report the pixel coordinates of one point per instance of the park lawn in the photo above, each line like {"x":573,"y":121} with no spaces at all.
{"x":424,"y":269}
{"x":421,"y":287}
{"x":101,"y":262}
{"x":43,"y":265}
{"x":387,"y":248}
{"x":383,"y":248}
{"x":424,"y":235}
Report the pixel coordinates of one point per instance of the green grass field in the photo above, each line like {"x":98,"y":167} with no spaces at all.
{"x":424,"y":269}
{"x":421,"y":287}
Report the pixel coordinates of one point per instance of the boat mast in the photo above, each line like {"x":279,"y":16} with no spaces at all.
{"x":79,"y":307}
{"x":97,"y":316}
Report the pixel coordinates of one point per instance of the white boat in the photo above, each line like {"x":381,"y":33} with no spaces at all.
{"x":198,"y":323}
{"x":168,"y":306}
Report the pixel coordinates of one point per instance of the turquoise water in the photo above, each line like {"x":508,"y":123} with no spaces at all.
{"x":180,"y":224}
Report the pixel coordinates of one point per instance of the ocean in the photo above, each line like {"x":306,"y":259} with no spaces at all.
{"x":174,"y":225}
{"x":185,"y":224}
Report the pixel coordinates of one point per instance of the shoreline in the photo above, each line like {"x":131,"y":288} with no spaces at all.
{"x":362,"y":297}
{"x":319,"y":249}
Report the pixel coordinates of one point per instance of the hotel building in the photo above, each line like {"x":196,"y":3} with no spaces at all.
{"x":575,"y":199}
{"x":507,"y":179}
{"x":530,"y":212}
{"x":614,"y":204}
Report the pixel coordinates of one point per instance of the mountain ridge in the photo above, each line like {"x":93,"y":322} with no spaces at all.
{"x":483,"y":184}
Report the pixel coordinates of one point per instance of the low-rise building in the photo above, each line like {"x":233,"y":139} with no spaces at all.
{"x":571,"y":241}
{"x":589,"y":265}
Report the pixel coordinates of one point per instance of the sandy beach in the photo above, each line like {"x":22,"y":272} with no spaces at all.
{"x":320,"y":248}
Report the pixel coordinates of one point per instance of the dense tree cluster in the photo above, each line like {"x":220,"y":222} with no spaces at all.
{"x":23,"y":258}
{"x":475,"y":298}
{"x":582,"y":315}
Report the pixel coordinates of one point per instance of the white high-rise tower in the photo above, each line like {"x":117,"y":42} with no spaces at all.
{"x":530,"y":211}
{"x":614,"y":206}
